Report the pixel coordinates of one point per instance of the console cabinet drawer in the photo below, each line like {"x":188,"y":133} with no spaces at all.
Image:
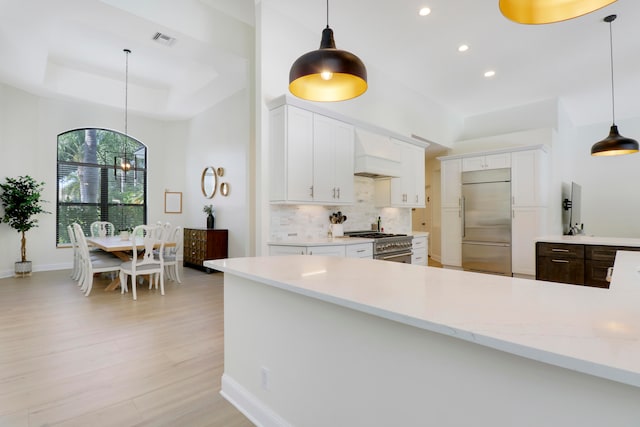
{"x":202,"y":244}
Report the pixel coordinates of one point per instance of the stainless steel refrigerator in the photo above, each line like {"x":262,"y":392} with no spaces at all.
{"x":486,"y":221}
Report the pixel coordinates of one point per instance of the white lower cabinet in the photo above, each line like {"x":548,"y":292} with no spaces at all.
{"x":358,"y":250}
{"x":419,"y":251}
{"x":361,"y":250}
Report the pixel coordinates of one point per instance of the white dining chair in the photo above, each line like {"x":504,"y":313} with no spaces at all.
{"x":144,"y":264}
{"x":171,"y":266}
{"x":102,"y":229}
{"x":92,"y":263}
{"x":76,"y":269}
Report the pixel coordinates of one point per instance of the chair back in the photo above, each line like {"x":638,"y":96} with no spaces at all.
{"x":153,"y":237}
{"x":81,"y":241}
{"x":72,"y":237}
{"x":102,"y":229}
{"x":175,"y":236}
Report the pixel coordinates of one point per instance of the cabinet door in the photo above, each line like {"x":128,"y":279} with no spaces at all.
{"x":415,"y":187}
{"x":473,"y":163}
{"x":299,"y":155}
{"x":287,"y":250}
{"x":344,"y":161}
{"x":529,"y":178}
{"x":497,"y":161}
{"x":337,"y":250}
{"x":332,"y":160}
{"x":526,"y":225}
{"x":451,"y":237}
{"x":324,"y":189}
{"x":450,"y":184}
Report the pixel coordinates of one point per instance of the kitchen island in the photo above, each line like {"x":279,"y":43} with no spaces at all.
{"x":318,"y":341}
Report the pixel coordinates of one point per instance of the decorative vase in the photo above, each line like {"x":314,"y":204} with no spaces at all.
{"x":210,"y":221}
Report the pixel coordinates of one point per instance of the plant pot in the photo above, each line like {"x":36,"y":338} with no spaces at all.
{"x":210,"y":221}
{"x":23,"y":268}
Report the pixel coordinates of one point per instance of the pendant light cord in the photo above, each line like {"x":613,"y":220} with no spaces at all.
{"x":327,"y":13}
{"x":613,"y":99}
{"x":126,"y":91}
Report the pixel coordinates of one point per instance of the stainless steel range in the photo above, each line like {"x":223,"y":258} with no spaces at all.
{"x":388,"y":247}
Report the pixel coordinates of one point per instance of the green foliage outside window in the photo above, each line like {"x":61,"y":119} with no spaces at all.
{"x":92,"y":185}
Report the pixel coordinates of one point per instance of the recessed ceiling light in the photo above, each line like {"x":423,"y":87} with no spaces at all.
{"x":424,"y":11}
{"x":489,"y":73}
{"x":463,"y":48}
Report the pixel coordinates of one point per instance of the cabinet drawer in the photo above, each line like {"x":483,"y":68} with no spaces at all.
{"x":560,"y":269}
{"x":560,"y":250}
{"x":361,"y":250}
{"x":419,"y":243}
{"x":605,"y":253}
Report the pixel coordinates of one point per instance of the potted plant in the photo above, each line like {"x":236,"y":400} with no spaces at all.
{"x":208,"y":209}
{"x":21,"y":200}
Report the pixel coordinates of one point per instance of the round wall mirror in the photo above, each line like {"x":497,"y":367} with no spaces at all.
{"x":209,"y":182}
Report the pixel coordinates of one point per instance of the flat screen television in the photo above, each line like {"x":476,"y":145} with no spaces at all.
{"x":572,"y":204}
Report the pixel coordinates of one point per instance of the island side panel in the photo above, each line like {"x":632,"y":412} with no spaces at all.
{"x":295,"y":360}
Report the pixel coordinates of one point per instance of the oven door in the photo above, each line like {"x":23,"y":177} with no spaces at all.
{"x":404,"y":257}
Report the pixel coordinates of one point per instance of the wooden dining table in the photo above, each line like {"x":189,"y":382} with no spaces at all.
{"x":121,"y":248}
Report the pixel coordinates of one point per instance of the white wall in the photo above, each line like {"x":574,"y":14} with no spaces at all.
{"x":28,"y":143}
{"x":610,"y":198}
{"x":220,"y":137}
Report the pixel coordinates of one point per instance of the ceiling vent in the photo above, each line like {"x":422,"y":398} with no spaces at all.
{"x":164,"y":39}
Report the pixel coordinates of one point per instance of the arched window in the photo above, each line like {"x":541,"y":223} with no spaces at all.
{"x":102,"y":176}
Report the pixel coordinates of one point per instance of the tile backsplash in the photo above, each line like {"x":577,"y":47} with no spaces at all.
{"x":308,"y":222}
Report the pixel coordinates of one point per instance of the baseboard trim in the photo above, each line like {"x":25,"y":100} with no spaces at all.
{"x":257,"y":412}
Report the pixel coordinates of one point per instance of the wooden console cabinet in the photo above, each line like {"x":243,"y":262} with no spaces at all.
{"x":202,"y":244}
{"x":576,"y":263}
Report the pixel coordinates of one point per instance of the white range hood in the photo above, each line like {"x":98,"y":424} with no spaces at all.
{"x":376,"y":156}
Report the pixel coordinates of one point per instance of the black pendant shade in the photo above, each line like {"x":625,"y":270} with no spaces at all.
{"x":614,"y":145}
{"x":328,"y":74}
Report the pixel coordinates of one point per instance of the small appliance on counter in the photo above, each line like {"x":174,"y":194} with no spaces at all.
{"x":387,"y":246}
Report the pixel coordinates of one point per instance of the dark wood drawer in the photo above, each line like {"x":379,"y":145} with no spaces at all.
{"x":561,"y":269}
{"x":605,"y":253}
{"x":560,"y":250}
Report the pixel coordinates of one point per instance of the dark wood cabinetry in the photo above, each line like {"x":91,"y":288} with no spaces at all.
{"x":557,"y":262}
{"x":576,"y":264}
{"x":202,"y":244}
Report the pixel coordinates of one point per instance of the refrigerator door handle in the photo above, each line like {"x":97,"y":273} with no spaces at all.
{"x":463,"y":217}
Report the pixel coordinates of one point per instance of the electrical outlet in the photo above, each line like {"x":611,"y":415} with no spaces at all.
{"x":264,"y":378}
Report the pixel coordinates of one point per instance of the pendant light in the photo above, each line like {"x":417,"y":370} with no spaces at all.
{"x":614,"y":144}
{"x":125,"y":164}
{"x":328,"y":74}
{"x":548,"y":11}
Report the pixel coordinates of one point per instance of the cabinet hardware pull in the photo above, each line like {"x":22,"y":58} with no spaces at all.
{"x":559,"y":250}
{"x":311,"y":191}
{"x":334,"y":192}
{"x":563,"y":261}
{"x":338,"y":192}
{"x":360,"y":250}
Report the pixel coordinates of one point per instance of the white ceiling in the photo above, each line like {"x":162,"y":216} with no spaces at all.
{"x":73,"y":49}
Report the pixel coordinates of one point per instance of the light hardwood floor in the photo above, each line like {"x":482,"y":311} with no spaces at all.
{"x":106,"y":360}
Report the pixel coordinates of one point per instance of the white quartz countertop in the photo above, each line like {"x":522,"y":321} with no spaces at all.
{"x":591,"y":240}
{"x":322,"y":242}
{"x":590,"y":330}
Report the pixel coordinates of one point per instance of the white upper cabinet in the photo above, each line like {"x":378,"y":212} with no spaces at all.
{"x":490,"y":161}
{"x":311,"y":158}
{"x":529,"y":178}
{"x":407,"y":190}
{"x":291,"y":155}
{"x":332,"y":160}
